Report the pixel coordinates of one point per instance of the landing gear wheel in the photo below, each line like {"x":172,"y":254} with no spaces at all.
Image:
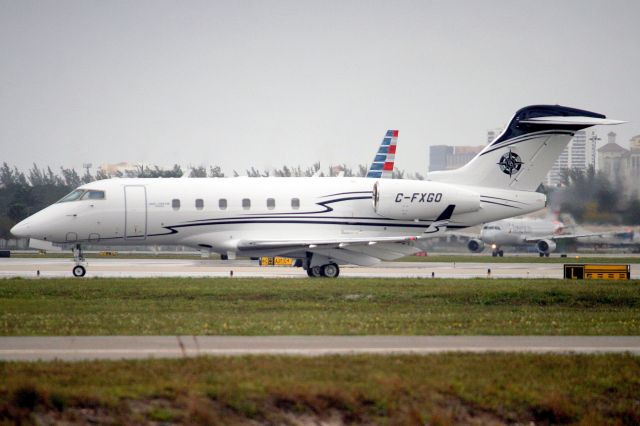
{"x":79,"y":271}
{"x":316,"y":271}
{"x":500,"y":253}
{"x":330,"y":270}
{"x":546,"y":255}
{"x":494,"y":253}
{"x":541,"y":254}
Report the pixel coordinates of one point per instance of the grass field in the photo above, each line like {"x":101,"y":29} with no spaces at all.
{"x":437,"y":389}
{"x":225,"y":306}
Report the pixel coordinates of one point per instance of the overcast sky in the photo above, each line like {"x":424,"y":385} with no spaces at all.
{"x":267,"y":83}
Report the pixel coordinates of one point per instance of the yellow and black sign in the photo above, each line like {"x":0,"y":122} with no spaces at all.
{"x":597,"y":272}
{"x":276,"y":261}
{"x":108,"y":253}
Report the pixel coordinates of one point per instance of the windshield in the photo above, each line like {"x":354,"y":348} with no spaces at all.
{"x":93,"y":195}
{"x":83,"y":194}
{"x":73,"y":196}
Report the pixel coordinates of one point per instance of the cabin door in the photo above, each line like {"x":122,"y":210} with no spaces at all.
{"x":135,"y":206}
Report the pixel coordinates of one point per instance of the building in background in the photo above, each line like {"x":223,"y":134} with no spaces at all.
{"x":438,"y":157}
{"x":579,"y":154}
{"x":446,"y":157}
{"x":613,"y":161}
{"x":634,"y":162}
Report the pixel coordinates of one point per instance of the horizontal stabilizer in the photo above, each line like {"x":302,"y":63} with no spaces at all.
{"x":572,"y":121}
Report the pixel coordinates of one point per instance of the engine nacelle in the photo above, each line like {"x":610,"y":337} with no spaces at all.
{"x":411,"y":199}
{"x":545,"y":246}
{"x":475,"y":245}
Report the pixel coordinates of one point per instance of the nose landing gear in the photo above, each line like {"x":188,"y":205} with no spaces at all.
{"x":79,"y":270}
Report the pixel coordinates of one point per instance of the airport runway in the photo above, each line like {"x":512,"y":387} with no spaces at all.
{"x":59,"y":267}
{"x":137,"y":347}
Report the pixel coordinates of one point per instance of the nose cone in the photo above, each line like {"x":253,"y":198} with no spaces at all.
{"x":21,"y":230}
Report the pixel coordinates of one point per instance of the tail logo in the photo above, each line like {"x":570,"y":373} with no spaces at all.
{"x":510,"y":163}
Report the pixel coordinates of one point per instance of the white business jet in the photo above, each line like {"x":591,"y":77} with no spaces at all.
{"x":322,"y":222}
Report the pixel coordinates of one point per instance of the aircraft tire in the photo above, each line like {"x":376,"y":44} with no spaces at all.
{"x":316,"y":271}
{"x":494,"y":254}
{"x":330,"y":270}
{"x":79,"y":271}
{"x":500,"y":253}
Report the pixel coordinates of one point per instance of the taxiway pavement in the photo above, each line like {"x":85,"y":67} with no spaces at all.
{"x":140,"y":347}
{"x":58,"y":267}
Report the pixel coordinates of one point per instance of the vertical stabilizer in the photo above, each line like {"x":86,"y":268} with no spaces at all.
{"x":523,"y":154}
{"x":383,"y":161}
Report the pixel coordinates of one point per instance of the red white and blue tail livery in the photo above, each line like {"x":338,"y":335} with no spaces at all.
{"x":382,"y":165}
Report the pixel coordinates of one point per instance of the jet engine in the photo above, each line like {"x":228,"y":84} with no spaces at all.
{"x":475,"y":245}
{"x":545,"y":247}
{"x":411,"y":200}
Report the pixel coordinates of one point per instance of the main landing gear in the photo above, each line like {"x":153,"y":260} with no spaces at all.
{"x":79,"y":270}
{"x":330,"y":270}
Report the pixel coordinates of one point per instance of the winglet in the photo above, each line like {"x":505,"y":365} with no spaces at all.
{"x":440,"y":224}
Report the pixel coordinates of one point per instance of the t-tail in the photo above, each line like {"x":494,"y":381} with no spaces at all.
{"x":382,"y":165}
{"x":523,"y":154}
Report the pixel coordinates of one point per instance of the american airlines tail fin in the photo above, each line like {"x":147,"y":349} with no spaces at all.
{"x":522,"y":155}
{"x":382,"y":165}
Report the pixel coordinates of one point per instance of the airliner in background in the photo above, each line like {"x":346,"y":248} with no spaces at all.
{"x":544,"y":233}
{"x":322,"y":222}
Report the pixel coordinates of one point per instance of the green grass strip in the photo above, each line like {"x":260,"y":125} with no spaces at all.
{"x":436,"y":389}
{"x":350,"y":306}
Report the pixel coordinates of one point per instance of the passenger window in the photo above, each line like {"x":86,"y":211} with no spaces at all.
{"x":73,"y":196}
{"x":246,"y":203}
{"x":222,"y":203}
{"x":271,"y":203}
{"x":175,"y":203}
{"x":295,"y":203}
{"x":199,"y":203}
{"x":93,"y":195}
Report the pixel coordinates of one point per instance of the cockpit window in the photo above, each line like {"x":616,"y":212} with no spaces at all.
{"x":83,"y":194}
{"x":73,"y":196}
{"x":93,"y":195}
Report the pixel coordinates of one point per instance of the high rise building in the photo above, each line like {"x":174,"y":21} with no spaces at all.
{"x":445,"y":157}
{"x":634,"y":161}
{"x":438,"y":157}
{"x":577,"y":155}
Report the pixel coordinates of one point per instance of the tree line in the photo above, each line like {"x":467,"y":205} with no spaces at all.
{"x":587,"y":195}
{"x":590,"y":197}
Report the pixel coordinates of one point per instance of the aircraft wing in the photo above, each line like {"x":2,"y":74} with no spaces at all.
{"x":363,"y":251}
{"x":357,"y":251}
{"x":567,"y":236}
